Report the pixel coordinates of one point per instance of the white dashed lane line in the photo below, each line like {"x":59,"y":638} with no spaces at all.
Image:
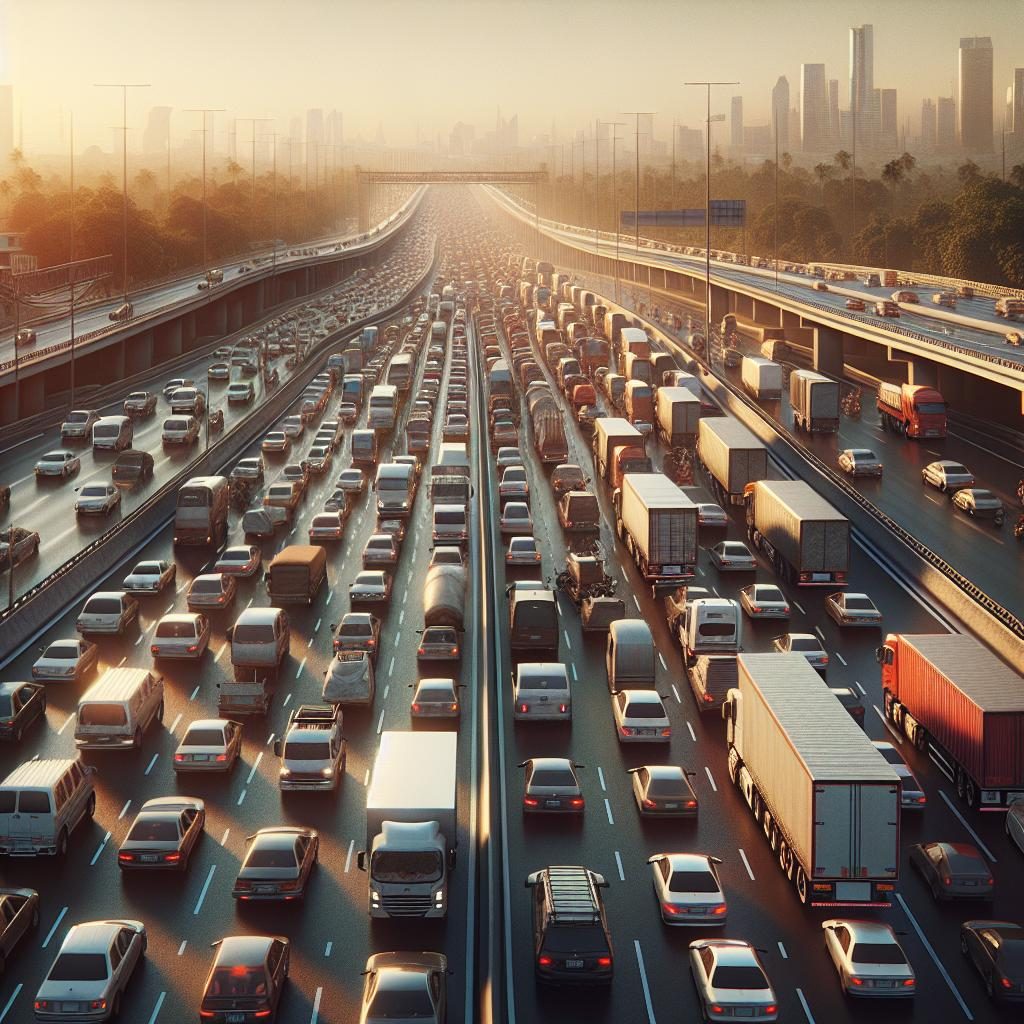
{"x":746,"y":863}
{"x":711,"y":778}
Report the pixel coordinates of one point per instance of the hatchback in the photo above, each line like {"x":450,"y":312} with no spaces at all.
{"x":439,"y":643}
{"x":688,"y":889}
{"x":209,"y":745}
{"x":247,"y":979}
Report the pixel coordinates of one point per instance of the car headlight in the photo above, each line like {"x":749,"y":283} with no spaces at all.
{"x":327,"y":772}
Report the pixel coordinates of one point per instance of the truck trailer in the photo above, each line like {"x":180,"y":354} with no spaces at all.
{"x":958,"y":703}
{"x":815,"y":402}
{"x":731,"y":456}
{"x":761,"y":378}
{"x":826,"y":800}
{"x":658,"y":524}
{"x":677,"y":415}
{"x":618,"y":448}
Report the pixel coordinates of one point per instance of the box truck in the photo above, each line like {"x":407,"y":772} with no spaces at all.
{"x":677,"y":415}
{"x":957,"y":702}
{"x":411,"y":821}
{"x":731,"y":456}
{"x":815,"y":402}
{"x":761,"y":378}
{"x":618,"y":449}
{"x":826,"y":800}
{"x":912,"y":409}
{"x":658,"y":525}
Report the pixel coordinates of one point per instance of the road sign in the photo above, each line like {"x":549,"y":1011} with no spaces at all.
{"x":725,"y":213}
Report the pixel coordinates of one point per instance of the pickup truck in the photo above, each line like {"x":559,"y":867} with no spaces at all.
{"x":313,"y":750}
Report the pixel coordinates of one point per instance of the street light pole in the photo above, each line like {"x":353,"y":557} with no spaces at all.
{"x":636,"y":190}
{"x":615,"y":200}
{"x":777,"y":202}
{"x":204,"y":111}
{"x":124,"y":87}
{"x":252,"y":121}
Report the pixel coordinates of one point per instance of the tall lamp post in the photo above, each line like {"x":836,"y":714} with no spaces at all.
{"x":124,"y":87}
{"x":204,"y":111}
{"x":615,"y":199}
{"x":636,"y":189}
{"x":252,"y":122}
{"x":707,"y":211}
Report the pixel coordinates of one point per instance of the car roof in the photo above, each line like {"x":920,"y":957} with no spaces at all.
{"x":642,"y":696}
{"x":248,"y":950}
{"x":256,"y":617}
{"x":866,"y":931}
{"x":731,"y":952}
{"x":364,"y":618}
{"x":91,"y":937}
{"x":665,"y":772}
{"x":550,"y":763}
{"x":687,"y":861}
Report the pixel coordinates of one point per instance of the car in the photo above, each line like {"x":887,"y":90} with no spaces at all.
{"x":711,"y":515}
{"x":514,"y":484}
{"x":240,"y":560}
{"x":182,"y":430}
{"x":151,"y":577}
{"x":1014,"y":823}
{"x":868,"y":959}
{"x":552,"y":785}
{"x":17,"y":545}
{"x":979,"y":503}
{"x":996,"y":949}
{"x":247,"y":978}
{"x":25,"y":336}
{"x":953,"y":870}
{"x":435,"y":698}
{"x":277,"y":442}
{"x":447,"y":554}
{"x":515,"y":518}
{"x":241,"y":391}
{"x":664,"y":790}
{"x":21,"y":704}
{"x":319,"y":459}
{"x":132,"y":467}
{"x":370,"y":586}
{"x":731,"y":980}
{"x":806,"y":644}
{"x":218,"y":371}
{"x":912,"y":796}
{"x":177,"y":382}
{"x":61,"y":660}
{"x":947,"y":476}
{"x":522,"y":551}
{"x":640,"y":717}
{"x":380,"y":549}
{"x":78,"y":425}
{"x":209,"y":745}
{"x":277,"y":865}
{"x":19,"y":916}
{"x":688,"y":889}
{"x":856,"y":304}
{"x":352,"y":480}
{"x":251,"y":468}
{"x":293,"y":426}
{"x":60,"y":463}
{"x":210,"y":591}
{"x":326,"y":526}
{"x":188,"y":400}
{"x":439,"y":643}
{"x":508,"y":456}
{"x":163,"y":835}
{"x":395,"y":528}
{"x":97,"y":499}
{"x":107,"y":611}
{"x":1014,"y":338}
{"x":405,"y":987}
{"x":338,"y":501}
{"x":93,"y":967}
{"x":884,"y":307}
{"x":357,"y":631}
{"x":456,"y":428}
{"x":326,"y":438}
{"x":503,"y":433}
{"x":140,"y":404}
{"x":181,"y":635}
{"x":732,"y":556}
{"x":410,"y":460}
{"x":859,"y":462}
{"x":348,"y":412}
{"x":848,"y":609}
{"x":732,"y":357}
{"x":764,"y":601}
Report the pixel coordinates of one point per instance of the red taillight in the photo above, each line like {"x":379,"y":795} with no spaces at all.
{"x":715,"y":1008}
{"x":755,"y":609}
{"x":179,"y":758}
{"x":154,"y":650}
{"x":649,"y":804}
{"x":669,"y":909}
{"x":416,"y":707}
{"x":990,"y":881}
{"x":707,"y":698}
{"x":222,"y":757}
{"x":98,"y":1004}
{"x":172,"y":858}
{"x":947,"y":881}
{"x":242,"y":884}
{"x":371,"y":642}
{"x":922,"y":799}
{"x":453,"y":707}
{"x":666,"y":732}
{"x":857,"y":982}
{"x":576,"y":801}
{"x":193,"y":648}
{"x":263,"y":1014}
{"x":1005,"y":982}
{"x":455,"y":652}
{"x":719,"y":911}
{"x":126,"y":857}
{"x":419,"y":651}
{"x":544,"y":961}
{"x":531,"y":801}
{"x":771,"y":1008}
{"x":911,"y":982}
{"x":524,"y":708}
{"x":604,"y":961}
{"x":207,"y":1014}
{"x":625,"y":730}
{"x":563,"y":708}
{"x":786,"y":609}
{"x":690,"y":804}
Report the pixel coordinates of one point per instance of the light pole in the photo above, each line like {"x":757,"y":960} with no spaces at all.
{"x":204,"y":111}
{"x":707,"y":214}
{"x":124,"y":87}
{"x":615,"y":200}
{"x":777,"y":122}
{"x":636,"y":190}
{"x":71,"y":150}
{"x":252,"y":122}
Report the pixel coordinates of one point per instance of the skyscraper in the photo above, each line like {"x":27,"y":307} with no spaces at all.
{"x":835,"y":132}
{"x":888,"y":127}
{"x":1014,"y":107}
{"x":6,"y":123}
{"x":813,"y":108}
{"x":780,"y":113}
{"x":974,"y":94}
{"x":945,"y":124}
{"x":862,"y":83}
{"x":928,"y":125}
{"x":158,"y":124}
{"x":736,"y":122}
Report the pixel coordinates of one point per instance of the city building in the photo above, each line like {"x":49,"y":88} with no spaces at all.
{"x":758,"y":140}
{"x":157,"y":131}
{"x":6,"y":123}
{"x":888,"y":126}
{"x":975,"y":94}
{"x":863,"y":99}
{"x":813,"y":108}
{"x":780,"y":113}
{"x":689,"y":143}
{"x":928,"y":140}
{"x":461,"y":139}
{"x":1015,"y":107}
{"x":736,"y":122}
{"x":835,"y":133}
{"x":643,"y":127}
{"x":945,"y":125}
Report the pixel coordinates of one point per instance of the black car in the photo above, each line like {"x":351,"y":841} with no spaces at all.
{"x":19,"y":915}
{"x":20,"y":705}
{"x":132,"y":467}
{"x":996,"y":948}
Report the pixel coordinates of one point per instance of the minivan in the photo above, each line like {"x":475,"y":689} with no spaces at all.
{"x":394,"y":486}
{"x":115,"y":711}
{"x":451,"y":524}
{"x":259,"y":641}
{"x":533,"y":616}
{"x":112,"y":433}
{"x":629,"y":656}
{"x":41,"y":804}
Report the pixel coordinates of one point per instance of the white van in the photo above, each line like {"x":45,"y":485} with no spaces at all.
{"x":117,"y":710}
{"x":41,"y":803}
{"x":394,"y":487}
{"x":451,"y":524}
{"x":112,"y":433}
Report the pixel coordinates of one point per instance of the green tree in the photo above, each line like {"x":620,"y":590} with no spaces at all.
{"x":843,"y":160}
{"x":823,"y":172}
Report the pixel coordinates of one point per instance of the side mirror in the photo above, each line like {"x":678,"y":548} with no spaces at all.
{"x":361,"y":860}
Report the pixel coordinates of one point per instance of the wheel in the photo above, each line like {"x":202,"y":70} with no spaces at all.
{"x":920,"y":738}
{"x":90,"y":807}
{"x":801,"y":885}
{"x":786,"y":859}
{"x":970,"y":792}
{"x":62,"y":843}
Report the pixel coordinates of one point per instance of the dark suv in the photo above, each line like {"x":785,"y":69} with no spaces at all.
{"x":571,"y":941}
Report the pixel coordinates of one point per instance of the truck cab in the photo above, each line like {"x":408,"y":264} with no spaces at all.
{"x":313,"y":749}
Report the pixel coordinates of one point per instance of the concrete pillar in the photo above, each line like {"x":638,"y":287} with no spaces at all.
{"x":169,"y":339}
{"x":188,"y":329}
{"x":219,"y":317}
{"x":828,"y":351}
{"x":923,"y":371}
{"x":743,"y":305}
{"x":252,"y":302}
{"x":766,"y":313}
{"x":8,"y":407}
{"x":138,"y":353}
{"x":719,"y":304}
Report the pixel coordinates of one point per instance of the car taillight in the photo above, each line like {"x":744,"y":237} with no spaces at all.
{"x":419,"y":651}
{"x":947,"y":880}
{"x":453,"y":707}
{"x":922,"y":800}
{"x":771,"y":1008}
{"x":371,"y":642}
{"x":455,"y":652}
{"x":179,"y":758}
{"x":911,"y":982}
{"x":288,"y":886}
{"x":690,"y":804}
{"x":1005,"y":982}
{"x":98,"y":1004}
{"x":786,"y":609}
{"x":707,"y":698}
{"x":625,"y":730}
{"x":416,"y":707}
{"x":650,"y":804}
{"x":576,"y":801}
{"x":756,"y":609}
{"x":524,"y":708}
{"x":604,"y":961}
{"x":824,"y":659}
{"x":172,"y":858}
{"x":262,"y":1014}
{"x":563,"y":708}
{"x":222,"y":757}
{"x":207,"y":1014}
{"x":126,"y":857}
{"x":544,"y":961}
{"x":719,"y":911}
{"x":154,"y":650}
{"x":990,"y":881}
{"x":530,"y":801}
{"x":193,"y":648}
{"x":667,"y":731}
{"x":856,"y":982}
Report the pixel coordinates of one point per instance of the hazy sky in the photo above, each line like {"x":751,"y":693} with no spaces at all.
{"x":406,"y":63}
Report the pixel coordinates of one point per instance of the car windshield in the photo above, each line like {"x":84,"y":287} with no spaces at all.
{"x":203,"y":738}
{"x":797,"y":643}
{"x":401,"y":1004}
{"x":94,"y":492}
{"x":154,"y":831}
{"x":176,"y":630}
{"x":61,"y":652}
{"x":636,"y":709}
{"x":768,"y":594}
{"x":739,"y":976}
{"x":271,"y":857}
{"x":405,"y":866}
{"x":877,"y":953}
{"x":734,"y":547}
{"x":236,"y":555}
{"x":79,"y":967}
{"x":77,"y":417}
{"x":542,"y":681}
{"x":933,"y":408}
{"x":318,"y":751}
{"x":53,"y":457}
{"x":102,"y":714}
{"x":692,"y":881}
{"x":202,"y":586}
{"x":955,"y":469}
{"x":102,"y":606}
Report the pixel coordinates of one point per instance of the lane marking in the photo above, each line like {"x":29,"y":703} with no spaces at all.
{"x":636,"y":602}
{"x":863,"y":692}
{"x":99,"y":850}
{"x":707,"y":771}
{"x":56,"y":924}
{"x":693,"y":735}
{"x":935,"y":957}
{"x":817,"y":629}
{"x":800,"y":606}
{"x":4,"y":451}
{"x":391,"y":665}
{"x":181,"y":948}
{"x":746,"y":863}
{"x":192,"y":695}
{"x":618,"y":864}
{"x":401,"y":616}
{"x":149,"y":767}
{"x":287,"y":700}
{"x":66,"y":723}
{"x":348,"y":856}
{"x":174,"y":724}
{"x":782,"y":951}
{"x":10,"y":1002}
{"x":568,"y":642}
{"x":156,"y":1009}
{"x":256,"y":764}
{"x":643,"y":980}
{"x":241,"y":797}
{"x":270,"y":739}
{"x":366,"y":777}
{"x":600,"y":778}
{"x":963,"y":821}
{"x":661,"y":658}
{"x":701,"y":571}
{"x":205,"y":890}
{"x":224,"y":838}
{"x":679,"y":700}
{"x":122,"y":661}
{"x":309,"y":643}
{"x":380,"y":721}
{"x":220,"y":652}
{"x":316,"y":1005}
{"x":575,"y":677}
{"x":124,"y":810}
{"x":142,"y":635}
{"x":302,"y":665}
{"x":608,"y":811}
{"x":328,"y":948}
{"x":840,"y":657}
{"x":330,"y":597}
{"x":803,"y":1003}
{"x":316,"y":628}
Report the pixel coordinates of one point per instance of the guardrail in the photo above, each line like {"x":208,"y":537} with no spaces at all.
{"x":27,"y":617}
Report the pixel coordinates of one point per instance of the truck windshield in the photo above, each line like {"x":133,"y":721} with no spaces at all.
{"x":193,"y":497}
{"x":307,"y":751}
{"x":406,"y":866}
{"x":931,"y":408}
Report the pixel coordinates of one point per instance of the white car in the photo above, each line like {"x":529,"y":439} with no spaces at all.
{"x":60,"y":463}
{"x":211,"y":590}
{"x":806,"y":644}
{"x":97,"y":499}
{"x":65,"y":659}
{"x":249,"y":469}
{"x":709,"y":514}
{"x":948,"y":476}
{"x":522,"y":551}
{"x":180,"y":430}
{"x":106,"y":612}
{"x":241,"y":391}
{"x":370,"y":586}
{"x":209,"y":745}
{"x":860,"y":462}
{"x":508,"y":457}
{"x":516,"y":518}
{"x":732,"y":556}
{"x":852,"y":609}
{"x":277,"y":441}
{"x":352,"y":480}
{"x":868,"y":959}
{"x":240,"y":560}
{"x":640,"y":717}
{"x":435,"y":698}
{"x":150,"y":577}
{"x":218,"y":371}
{"x":728,"y":975}
{"x":326,"y":526}
{"x":319,"y":459}
{"x":764,"y":601}
{"x":293,"y":426}
{"x":181,"y":635}
{"x":188,"y":400}
{"x":688,"y":889}
{"x":514,"y":484}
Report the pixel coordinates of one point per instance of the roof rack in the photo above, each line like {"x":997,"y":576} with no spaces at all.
{"x":571,"y":896}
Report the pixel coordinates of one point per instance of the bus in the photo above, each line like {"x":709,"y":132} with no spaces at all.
{"x":401,"y":370}
{"x":383,"y":407}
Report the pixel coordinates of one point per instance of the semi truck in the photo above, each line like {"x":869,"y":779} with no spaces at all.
{"x":963,"y":707}
{"x":618,"y":449}
{"x":658,"y":524}
{"x":815,"y":402}
{"x":912,"y":409}
{"x":826,"y":800}
{"x":731,"y":456}
{"x":761,"y":378}
{"x":677,"y":416}
{"x":635,"y":340}
{"x":801,"y":534}
{"x":411,"y":821}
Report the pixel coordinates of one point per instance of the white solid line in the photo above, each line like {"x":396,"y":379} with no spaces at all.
{"x":156,"y":1009}
{"x":693,"y":735}
{"x":863,"y":692}
{"x":316,"y":1005}
{"x":608,"y":811}
{"x":380,"y":721}
{"x":963,"y":821}
{"x":661,"y":658}
{"x":149,"y":767}
{"x":643,"y":980}
{"x":255,"y":765}
{"x":220,"y":652}
{"x":675,"y":692}
{"x":800,"y":606}
{"x":600,"y":778}
{"x":782,"y":951}
{"x":287,"y":700}
{"x":840,"y":657}
{"x":935,"y":958}
{"x":746,"y":863}
{"x":316,"y":628}
{"x":575,"y":677}
{"x":99,"y":850}
{"x":618,"y":864}
{"x":302,"y":665}
{"x":49,"y":934}
{"x":205,"y":889}
{"x":328,"y":948}
{"x":10,"y":1002}
{"x":193,"y":694}
{"x":241,"y":797}
{"x":174,"y":724}
{"x":348,"y":857}
{"x":124,"y":810}
{"x":711,"y":779}
{"x":181,"y":948}
{"x":807,"y":1009}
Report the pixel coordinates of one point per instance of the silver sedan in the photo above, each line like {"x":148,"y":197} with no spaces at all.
{"x":60,"y":463}
{"x":852,"y":609}
{"x":97,"y":499}
{"x":688,"y":888}
{"x":860,"y":462}
{"x":868,"y":959}
{"x":732,"y":556}
{"x":764,"y":601}
{"x":729,"y":975}
{"x":65,"y":659}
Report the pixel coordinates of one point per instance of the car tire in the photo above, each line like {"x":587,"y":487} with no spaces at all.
{"x":62,"y":843}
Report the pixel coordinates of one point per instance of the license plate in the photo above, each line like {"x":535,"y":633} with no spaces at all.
{"x":235,"y":1018}
{"x":883,"y":984}
{"x":200,"y":757}
{"x":744,"y":1011}
{"x":264,"y":890}
{"x":149,"y":858}
{"x":553,"y":803}
{"x":646,"y":731}
{"x":68,"y":1007}
{"x":671,"y":570}
{"x":574,"y":964}
{"x":672,"y":807}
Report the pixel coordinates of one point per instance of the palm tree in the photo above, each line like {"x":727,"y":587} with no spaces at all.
{"x":235,"y":171}
{"x":843,"y":160}
{"x":823,"y":172}
{"x":908,"y":162}
{"x":1017,"y":175}
{"x":17,"y":157}
{"x":787,"y":161}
